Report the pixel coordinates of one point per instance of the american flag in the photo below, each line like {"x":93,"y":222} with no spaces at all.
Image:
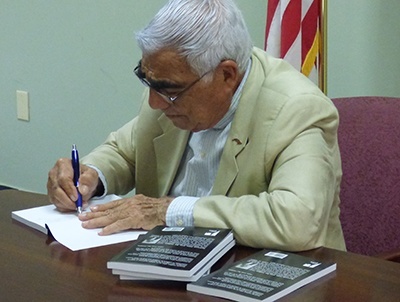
{"x":293,"y":33}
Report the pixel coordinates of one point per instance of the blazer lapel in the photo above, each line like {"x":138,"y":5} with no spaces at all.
{"x":228,"y":167}
{"x":169,"y":148}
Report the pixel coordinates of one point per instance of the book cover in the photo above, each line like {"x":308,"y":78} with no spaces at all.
{"x":172,"y":251}
{"x":205,"y":269}
{"x":263,"y":276}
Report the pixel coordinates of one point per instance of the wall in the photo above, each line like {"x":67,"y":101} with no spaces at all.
{"x":363,"y":48}
{"x":75,"y":59}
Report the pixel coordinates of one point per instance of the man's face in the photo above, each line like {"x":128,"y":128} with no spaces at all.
{"x":200,"y":105}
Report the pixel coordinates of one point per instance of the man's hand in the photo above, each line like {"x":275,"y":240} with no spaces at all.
{"x":60,"y":185}
{"x":137,"y":212}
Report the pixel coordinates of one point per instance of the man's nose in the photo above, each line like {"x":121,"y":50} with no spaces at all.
{"x":156,"y":101}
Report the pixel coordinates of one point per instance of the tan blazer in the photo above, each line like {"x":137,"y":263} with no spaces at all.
{"x":278,"y":182}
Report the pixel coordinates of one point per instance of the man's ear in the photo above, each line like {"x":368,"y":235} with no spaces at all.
{"x":230,"y":72}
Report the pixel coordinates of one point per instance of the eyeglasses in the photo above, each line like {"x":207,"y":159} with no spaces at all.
{"x":142,"y":77}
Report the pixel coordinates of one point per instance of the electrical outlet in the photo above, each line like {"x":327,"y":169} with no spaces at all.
{"x":22,"y":105}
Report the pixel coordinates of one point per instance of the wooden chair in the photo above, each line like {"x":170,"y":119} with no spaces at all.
{"x":369,"y":140}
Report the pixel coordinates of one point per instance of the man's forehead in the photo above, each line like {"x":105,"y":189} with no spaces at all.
{"x":161,"y":63}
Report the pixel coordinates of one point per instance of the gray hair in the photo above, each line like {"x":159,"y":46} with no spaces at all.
{"x":205,"y":32}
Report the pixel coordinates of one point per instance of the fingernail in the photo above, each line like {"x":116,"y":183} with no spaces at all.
{"x":83,"y":189}
{"x":94,"y":209}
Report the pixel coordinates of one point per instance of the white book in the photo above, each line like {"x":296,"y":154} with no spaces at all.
{"x":66,"y":228}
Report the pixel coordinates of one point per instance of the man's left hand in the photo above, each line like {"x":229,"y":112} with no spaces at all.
{"x":137,"y":212}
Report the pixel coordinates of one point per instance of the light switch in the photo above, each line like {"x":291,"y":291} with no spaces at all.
{"x":22,"y":105}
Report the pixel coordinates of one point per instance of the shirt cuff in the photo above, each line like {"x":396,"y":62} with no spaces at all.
{"x":180,"y":211}
{"x":102,"y":179}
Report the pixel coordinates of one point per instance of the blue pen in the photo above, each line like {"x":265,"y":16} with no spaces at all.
{"x":75,"y":166}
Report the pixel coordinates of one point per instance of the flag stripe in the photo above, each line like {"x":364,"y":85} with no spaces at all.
{"x":272,"y":6}
{"x":309,"y":27}
{"x":291,"y":21}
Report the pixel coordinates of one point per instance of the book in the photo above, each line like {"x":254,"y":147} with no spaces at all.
{"x":172,"y":253}
{"x":264,"y":276}
{"x":66,"y":228}
{"x":127,"y":275}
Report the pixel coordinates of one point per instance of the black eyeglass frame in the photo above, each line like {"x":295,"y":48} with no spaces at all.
{"x":171,"y":99}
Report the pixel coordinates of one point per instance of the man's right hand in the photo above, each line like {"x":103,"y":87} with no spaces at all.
{"x":60,"y":185}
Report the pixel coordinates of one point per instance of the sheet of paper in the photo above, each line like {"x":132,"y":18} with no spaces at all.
{"x":66,"y":228}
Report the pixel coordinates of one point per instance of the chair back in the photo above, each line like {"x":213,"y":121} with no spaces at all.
{"x":369,"y":141}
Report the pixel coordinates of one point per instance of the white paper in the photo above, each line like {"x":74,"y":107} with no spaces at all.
{"x":67,"y":229}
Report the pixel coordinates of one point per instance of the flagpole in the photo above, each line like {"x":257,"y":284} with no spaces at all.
{"x":322,"y":72}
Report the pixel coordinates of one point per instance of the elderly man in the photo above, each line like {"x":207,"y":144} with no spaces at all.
{"x":227,"y":137}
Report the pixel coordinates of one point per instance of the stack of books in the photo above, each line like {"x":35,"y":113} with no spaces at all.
{"x":172,"y":253}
